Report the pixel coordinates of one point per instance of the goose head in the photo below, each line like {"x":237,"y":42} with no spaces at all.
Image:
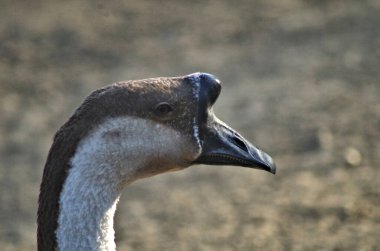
{"x":163,"y":125}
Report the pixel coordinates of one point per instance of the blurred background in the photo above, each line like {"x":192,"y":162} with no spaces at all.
{"x":300,"y":79}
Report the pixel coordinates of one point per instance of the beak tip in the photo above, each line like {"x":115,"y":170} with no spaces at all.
{"x":267,"y":162}
{"x":273,"y":168}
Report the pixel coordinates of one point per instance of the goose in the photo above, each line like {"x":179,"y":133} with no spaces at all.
{"x":124,"y":132}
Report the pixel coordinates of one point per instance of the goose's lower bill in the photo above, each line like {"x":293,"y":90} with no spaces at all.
{"x":222,"y":145}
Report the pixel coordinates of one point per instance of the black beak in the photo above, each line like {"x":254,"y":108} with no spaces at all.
{"x":224,"y":146}
{"x":221,"y":145}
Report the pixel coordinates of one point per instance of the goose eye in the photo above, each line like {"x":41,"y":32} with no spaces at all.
{"x":163,"y":109}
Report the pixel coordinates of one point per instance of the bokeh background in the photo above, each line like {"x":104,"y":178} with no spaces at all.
{"x":300,"y":79}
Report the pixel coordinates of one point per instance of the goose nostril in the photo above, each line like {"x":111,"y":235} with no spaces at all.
{"x":239,"y":143}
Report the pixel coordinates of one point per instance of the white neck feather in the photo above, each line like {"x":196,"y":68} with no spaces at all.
{"x":117,"y":152}
{"x":86,"y":217}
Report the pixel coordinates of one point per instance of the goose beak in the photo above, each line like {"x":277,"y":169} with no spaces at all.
{"x":224,"y":146}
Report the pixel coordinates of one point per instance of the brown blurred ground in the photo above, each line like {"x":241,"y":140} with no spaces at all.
{"x":301,"y":79}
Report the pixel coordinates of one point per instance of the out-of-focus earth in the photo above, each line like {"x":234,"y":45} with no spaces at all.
{"x":301,"y":79}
